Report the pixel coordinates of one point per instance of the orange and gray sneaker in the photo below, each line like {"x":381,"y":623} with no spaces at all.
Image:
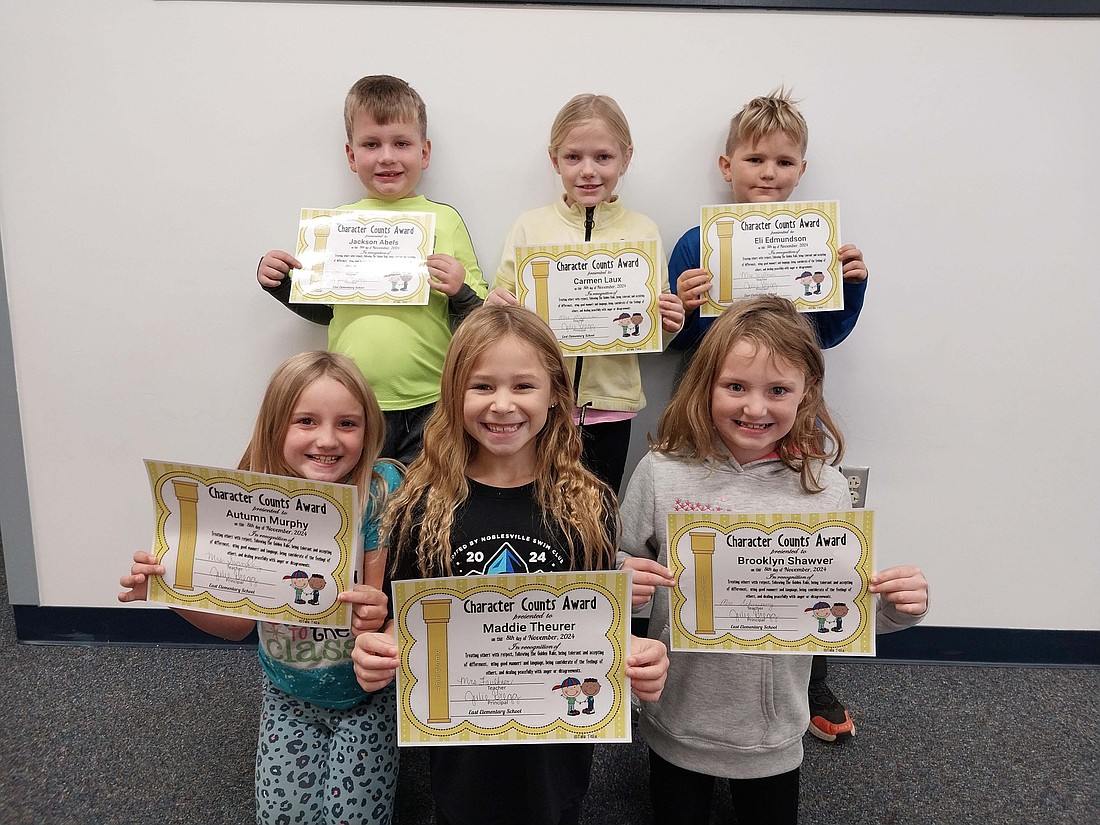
{"x":829,"y":720}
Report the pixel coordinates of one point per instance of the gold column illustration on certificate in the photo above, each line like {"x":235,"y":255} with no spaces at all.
{"x":724,"y":230}
{"x":254,"y":545}
{"x":772,"y":583}
{"x":598,"y":298}
{"x":436,"y":613}
{"x":513,"y":658}
{"x":787,"y":249}
{"x":540,"y":273}
{"x":362,"y":257}
{"x":187,"y":494}
{"x":702,"y":553}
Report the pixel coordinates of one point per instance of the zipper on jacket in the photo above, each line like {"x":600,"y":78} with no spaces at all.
{"x":589,"y":225}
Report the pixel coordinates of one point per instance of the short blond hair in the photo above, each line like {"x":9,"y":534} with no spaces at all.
{"x":585,"y":108}
{"x":386,"y":99}
{"x":761,"y":116}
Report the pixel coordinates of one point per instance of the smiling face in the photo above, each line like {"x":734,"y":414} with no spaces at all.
{"x":388,"y":158}
{"x":590,"y":161}
{"x":324,"y":440}
{"x":504,"y":407}
{"x":754,"y":400}
{"x":766,"y":172}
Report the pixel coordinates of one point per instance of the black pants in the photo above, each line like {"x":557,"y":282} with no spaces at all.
{"x":819,"y":669}
{"x":683,"y":796}
{"x":604,"y":453}
{"x":405,"y":433}
{"x":570,"y":816}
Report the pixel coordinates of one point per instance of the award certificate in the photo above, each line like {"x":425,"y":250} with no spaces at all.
{"x":513,"y":658}
{"x":773,"y":583}
{"x":253,"y":545}
{"x":598,"y":298}
{"x":787,"y":249}
{"x":361,"y":257}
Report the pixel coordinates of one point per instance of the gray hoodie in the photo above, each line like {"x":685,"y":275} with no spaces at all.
{"x":735,"y":715}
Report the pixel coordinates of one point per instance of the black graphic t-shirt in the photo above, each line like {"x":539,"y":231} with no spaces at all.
{"x":501,"y":530}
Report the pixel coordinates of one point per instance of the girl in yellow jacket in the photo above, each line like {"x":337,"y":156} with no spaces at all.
{"x":590,"y":148}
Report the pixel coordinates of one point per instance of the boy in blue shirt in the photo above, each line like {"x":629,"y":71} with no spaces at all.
{"x":763,"y":163}
{"x":399,"y":349}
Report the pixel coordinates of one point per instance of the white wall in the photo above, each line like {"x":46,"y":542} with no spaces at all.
{"x":150,"y":152}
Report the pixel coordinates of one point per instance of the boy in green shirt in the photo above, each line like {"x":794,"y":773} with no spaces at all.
{"x":399,"y":349}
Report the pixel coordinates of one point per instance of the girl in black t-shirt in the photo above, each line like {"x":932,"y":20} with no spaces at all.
{"x":500,"y":486}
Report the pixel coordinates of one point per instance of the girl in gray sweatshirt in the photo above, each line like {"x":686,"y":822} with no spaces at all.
{"x":747,"y":431}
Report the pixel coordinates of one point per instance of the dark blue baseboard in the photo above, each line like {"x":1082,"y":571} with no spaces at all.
{"x":112,"y":626}
{"x":993,"y":646}
{"x":960,"y":645}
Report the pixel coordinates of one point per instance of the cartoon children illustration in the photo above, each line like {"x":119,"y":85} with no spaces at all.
{"x":405,"y":278}
{"x":624,"y":321}
{"x":395,"y":281}
{"x":570,"y":689}
{"x":317,"y":582}
{"x":590,"y":687}
{"x":818,"y":278}
{"x":805,"y":278}
{"x":298,"y":580}
{"x":636,"y":320}
{"x":839,"y":611}
{"x":821,"y":613}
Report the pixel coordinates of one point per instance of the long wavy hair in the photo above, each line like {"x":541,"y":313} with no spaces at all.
{"x":686,"y":427}
{"x":436,"y":485}
{"x":264,"y":453}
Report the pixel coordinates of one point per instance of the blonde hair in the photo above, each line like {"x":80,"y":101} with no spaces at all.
{"x":761,"y":116}
{"x":386,"y":99}
{"x":585,"y":108}
{"x":686,"y":427}
{"x":436,"y":485}
{"x":264,"y":453}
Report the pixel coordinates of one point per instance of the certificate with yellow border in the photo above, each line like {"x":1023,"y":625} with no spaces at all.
{"x":772,"y":583}
{"x":508,"y":659}
{"x":787,"y":249}
{"x":598,"y":298}
{"x":362,"y":257}
{"x":254,"y":545}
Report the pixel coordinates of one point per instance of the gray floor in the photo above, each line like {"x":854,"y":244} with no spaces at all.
{"x":158,"y":735}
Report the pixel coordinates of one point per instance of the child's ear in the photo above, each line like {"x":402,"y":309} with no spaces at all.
{"x":725,"y":166}
{"x":425,"y":154}
{"x":801,"y":171}
{"x":351,"y":156}
{"x":553,"y":159}
{"x":629,"y":157}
